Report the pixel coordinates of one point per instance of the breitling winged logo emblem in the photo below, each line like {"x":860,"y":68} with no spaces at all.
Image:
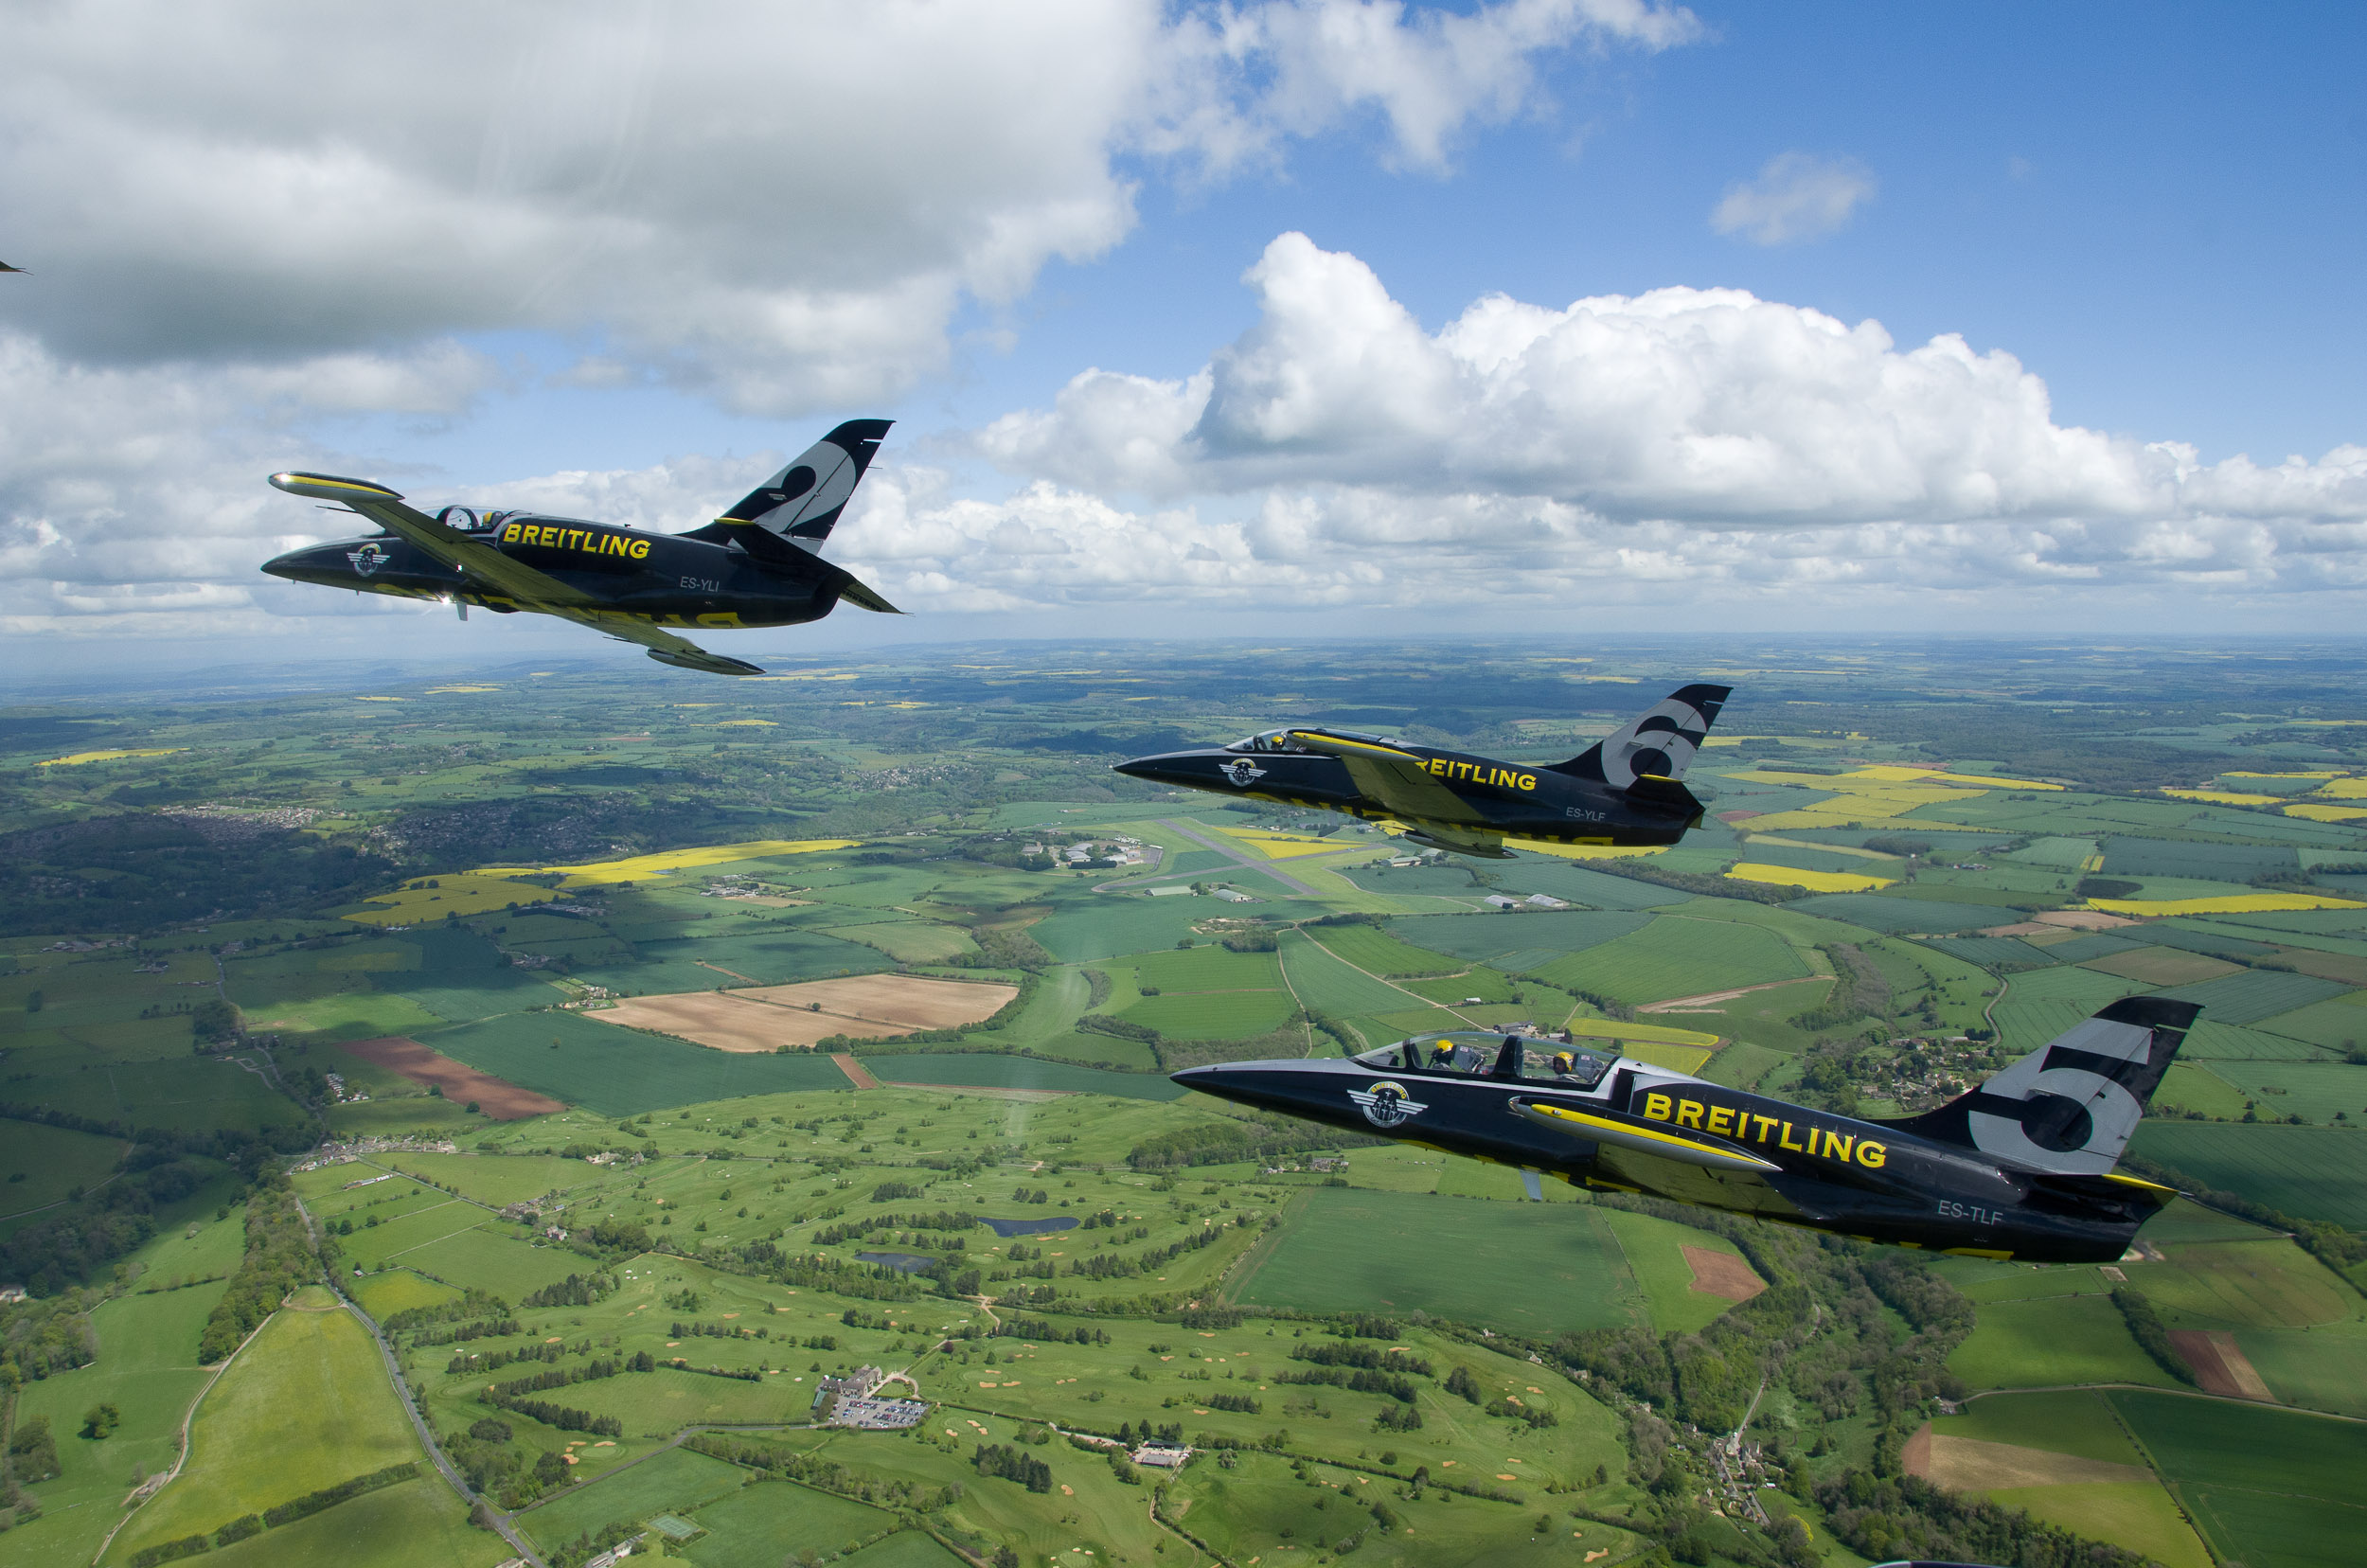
{"x":367,"y":557}
{"x":1386,"y":1104}
{"x":1242,"y":772}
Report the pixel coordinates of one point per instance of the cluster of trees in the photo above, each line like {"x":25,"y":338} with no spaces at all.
{"x":2147,"y":1328}
{"x":1011,"y":1465}
{"x":278,"y":1259}
{"x":574,"y":1290}
{"x":1232,"y":1141}
{"x":1037,"y":1328}
{"x":1892,"y":1516}
{"x":822,"y":1474}
{"x":854,"y":1230}
{"x":46,"y":1335}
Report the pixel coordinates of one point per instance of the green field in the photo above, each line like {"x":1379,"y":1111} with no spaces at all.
{"x":398,"y":1290}
{"x":2317,"y":1091}
{"x":1214,"y":1015}
{"x":416,"y":1521}
{"x":305,"y":1406}
{"x":149,"y":1370}
{"x":2271,"y":1489}
{"x":1208,"y":969}
{"x":621,"y":1071}
{"x":2139,"y":1515}
{"x":905,"y":1549}
{"x":674,"y":1481}
{"x":2191,"y":1086}
{"x":1329,"y":985}
{"x":2256,"y":995}
{"x":2044,"y":1343}
{"x":1485,"y":938}
{"x":42,"y":1165}
{"x":982,"y":1069}
{"x":1377,"y":951}
{"x":2317,"y":1173}
{"x":767,"y":1521}
{"x":1675,"y":956}
{"x":2075,"y":1422}
{"x":1542,"y":1270}
{"x":1653,"y":1250}
{"x":2337,"y":1026}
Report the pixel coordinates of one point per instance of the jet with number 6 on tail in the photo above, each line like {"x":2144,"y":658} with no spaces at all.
{"x":759,"y":564}
{"x":1627,"y":790}
{"x":2022,"y":1167}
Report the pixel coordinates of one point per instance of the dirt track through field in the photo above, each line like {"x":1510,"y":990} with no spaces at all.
{"x":766,"y":1018}
{"x":1967,"y":1464}
{"x":501,"y":1100}
{"x":1722,"y":1274}
{"x":1708,"y":997}
{"x":2220,"y":1365}
{"x":856,"y":1072}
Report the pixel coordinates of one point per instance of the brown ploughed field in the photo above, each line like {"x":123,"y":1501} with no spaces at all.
{"x":1722,"y":1274}
{"x":1967,"y":1464}
{"x":499,"y":1100}
{"x":765,"y":1018}
{"x":2220,"y":1365}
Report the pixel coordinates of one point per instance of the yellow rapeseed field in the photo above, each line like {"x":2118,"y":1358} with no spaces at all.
{"x":1816,"y":882}
{"x":81,"y":757}
{"x":2326,"y":813}
{"x":1676,"y":1058}
{"x":1891,"y":774}
{"x":636,"y":867}
{"x":2239,"y":903}
{"x":2344,"y":789}
{"x":1585,"y":852}
{"x":1275,"y":846}
{"x":2223,"y":797}
{"x":1659,"y":1034}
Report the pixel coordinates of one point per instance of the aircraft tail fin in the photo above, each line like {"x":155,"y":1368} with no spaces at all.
{"x":2068,"y":1107}
{"x":1657,"y":744}
{"x":802,"y":502}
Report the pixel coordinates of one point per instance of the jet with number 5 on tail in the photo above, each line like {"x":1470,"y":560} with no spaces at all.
{"x":2022,"y":1167}
{"x":759,"y":564}
{"x":1627,"y":790}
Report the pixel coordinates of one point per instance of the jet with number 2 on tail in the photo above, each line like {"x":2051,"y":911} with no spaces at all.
{"x":759,"y":564}
{"x":2022,"y":1167}
{"x":1627,"y":790}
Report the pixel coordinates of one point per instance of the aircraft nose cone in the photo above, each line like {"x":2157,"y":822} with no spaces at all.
{"x":1192,"y":769}
{"x":1263,"y":1083}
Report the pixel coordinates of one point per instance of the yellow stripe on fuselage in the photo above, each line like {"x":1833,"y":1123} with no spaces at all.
{"x":1653,"y":1134}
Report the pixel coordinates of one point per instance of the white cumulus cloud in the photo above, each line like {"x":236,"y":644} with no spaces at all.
{"x":782,"y":208}
{"x":1706,"y":407}
{"x":1797,"y":196}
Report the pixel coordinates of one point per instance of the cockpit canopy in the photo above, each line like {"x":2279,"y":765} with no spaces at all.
{"x":468,"y":520}
{"x":1479,"y":1054}
{"x":1286,"y":740}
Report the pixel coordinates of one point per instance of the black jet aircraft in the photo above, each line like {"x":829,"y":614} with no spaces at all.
{"x":1625,"y":790}
{"x":759,"y":564}
{"x":2020,"y":1168}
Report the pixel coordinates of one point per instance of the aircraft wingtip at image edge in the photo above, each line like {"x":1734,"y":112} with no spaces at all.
{"x":331,"y":487}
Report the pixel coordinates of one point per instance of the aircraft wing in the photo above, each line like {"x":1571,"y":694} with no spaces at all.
{"x":487,"y":567}
{"x":1395,"y":779}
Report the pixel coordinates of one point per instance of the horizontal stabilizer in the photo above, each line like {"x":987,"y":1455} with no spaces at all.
{"x":691,"y":657}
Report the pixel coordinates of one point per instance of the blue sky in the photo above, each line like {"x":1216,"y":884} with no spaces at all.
{"x":2155,"y":210}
